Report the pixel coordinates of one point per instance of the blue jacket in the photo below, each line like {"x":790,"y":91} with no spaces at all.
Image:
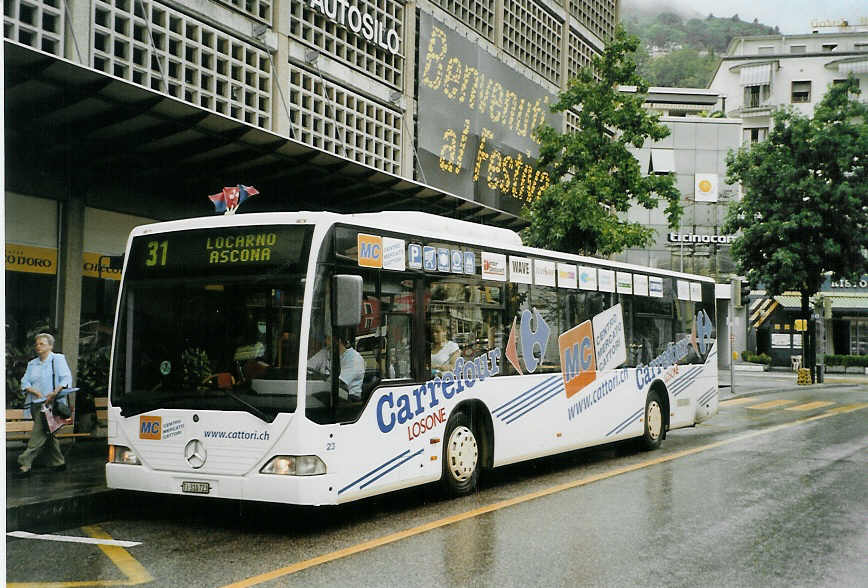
{"x":39,"y":376}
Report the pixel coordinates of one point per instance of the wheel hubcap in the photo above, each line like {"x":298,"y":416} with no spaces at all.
{"x":655,"y":420}
{"x":462,"y":453}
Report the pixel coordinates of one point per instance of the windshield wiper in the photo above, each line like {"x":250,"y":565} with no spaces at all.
{"x":252,"y":408}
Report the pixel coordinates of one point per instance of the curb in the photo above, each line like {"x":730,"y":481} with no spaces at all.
{"x":64,"y":513}
{"x":796,"y":388}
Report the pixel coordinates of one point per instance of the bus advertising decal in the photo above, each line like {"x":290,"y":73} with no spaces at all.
{"x":375,"y":474}
{"x":544,"y":272}
{"x":519,"y":270}
{"x":393,"y":254}
{"x":414,"y":256}
{"x":567,"y":276}
{"x":681,"y":383}
{"x":640,"y":285}
{"x":626,"y":422}
{"x":587,"y":278}
{"x":150,"y":427}
{"x":606,"y":386}
{"x":443,"y":260}
{"x":370,"y":250}
{"x":493,"y":266}
{"x":469,"y":263}
{"x":400,"y":408}
{"x":173,"y":428}
{"x":527,"y":400}
{"x":429,"y":258}
{"x":457,"y":261}
{"x":707,"y":395}
{"x":655,"y":287}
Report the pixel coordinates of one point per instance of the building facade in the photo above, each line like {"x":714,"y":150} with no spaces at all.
{"x":122,"y":112}
{"x":758,"y":75}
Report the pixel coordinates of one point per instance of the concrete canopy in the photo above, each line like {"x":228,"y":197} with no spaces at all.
{"x":73,"y":130}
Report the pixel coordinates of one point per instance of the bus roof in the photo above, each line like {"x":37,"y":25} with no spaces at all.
{"x":411,"y":222}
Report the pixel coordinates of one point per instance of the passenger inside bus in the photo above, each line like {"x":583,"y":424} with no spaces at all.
{"x":444,"y":351}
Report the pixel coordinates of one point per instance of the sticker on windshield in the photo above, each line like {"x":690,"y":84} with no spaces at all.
{"x":166,"y":367}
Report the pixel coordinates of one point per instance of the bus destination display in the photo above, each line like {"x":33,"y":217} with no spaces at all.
{"x":205,"y":251}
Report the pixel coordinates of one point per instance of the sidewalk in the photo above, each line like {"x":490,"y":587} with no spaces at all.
{"x":48,"y":501}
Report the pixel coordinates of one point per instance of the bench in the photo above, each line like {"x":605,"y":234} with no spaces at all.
{"x":19,"y":425}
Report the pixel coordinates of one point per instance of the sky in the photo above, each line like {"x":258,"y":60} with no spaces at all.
{"x":792,"y":16}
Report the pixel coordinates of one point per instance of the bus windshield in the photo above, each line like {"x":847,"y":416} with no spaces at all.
{"x":210,"y":320}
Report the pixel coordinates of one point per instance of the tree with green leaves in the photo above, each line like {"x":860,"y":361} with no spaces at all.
{"x":805,"y":206}
{"x":595,"y":178}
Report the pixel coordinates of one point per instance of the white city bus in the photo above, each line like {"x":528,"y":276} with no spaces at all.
{"x":317,"y":358}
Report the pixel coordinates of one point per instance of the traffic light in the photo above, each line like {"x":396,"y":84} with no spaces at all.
{"x":740,"y":292}
{"x":745,"y":292}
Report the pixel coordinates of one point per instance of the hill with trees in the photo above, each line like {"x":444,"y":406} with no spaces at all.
{"x":680,"y":50}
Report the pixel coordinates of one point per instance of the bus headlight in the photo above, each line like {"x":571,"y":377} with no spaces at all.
{"x":121,"y":454}
{"x":294,"y":465}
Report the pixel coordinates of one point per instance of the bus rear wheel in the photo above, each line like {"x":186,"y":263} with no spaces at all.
{"x":460,"y":456}
{"x":653,"y":434}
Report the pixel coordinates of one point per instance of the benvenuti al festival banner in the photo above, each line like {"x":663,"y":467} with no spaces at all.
{"x":476,"y":121}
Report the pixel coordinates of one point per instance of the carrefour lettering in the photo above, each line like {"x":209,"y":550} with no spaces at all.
{"x":673,"y":354}
{"x":360,"y":21}
{"x":401,"y":408}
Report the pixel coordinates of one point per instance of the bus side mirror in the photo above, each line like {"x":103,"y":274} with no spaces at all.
{"x":347,"y":310}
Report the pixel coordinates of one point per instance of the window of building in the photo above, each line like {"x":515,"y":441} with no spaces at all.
{"x":829,"y":47}
{"x":755,"y":135}
{"x":801,"y":92}
{"x":756,"y":96}
{"x":797,"y":49}
{"x":662,"y":161}
{"x":765,"y":50}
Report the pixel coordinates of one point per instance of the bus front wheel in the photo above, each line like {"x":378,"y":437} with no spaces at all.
{"x":653,"y":422}
{"x":460,"y":456}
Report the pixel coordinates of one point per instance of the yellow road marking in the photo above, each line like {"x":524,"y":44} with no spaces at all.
{"x":769,"y":404}
{"x":810,"y":405}
{"x":436,"y":524}
{"x":134,"y":571}
{"x":736,"y":401}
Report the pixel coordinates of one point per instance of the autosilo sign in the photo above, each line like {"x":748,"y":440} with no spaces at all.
{"x":360,"y":19}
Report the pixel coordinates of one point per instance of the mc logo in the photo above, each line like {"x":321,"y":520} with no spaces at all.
{"x":370,"y":250}
{"x":150,"y":427}
{"x":578,"y":357}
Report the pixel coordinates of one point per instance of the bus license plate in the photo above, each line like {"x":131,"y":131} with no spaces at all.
{"x":196,"y":487}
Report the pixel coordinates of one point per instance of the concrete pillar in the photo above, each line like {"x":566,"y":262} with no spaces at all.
{"x":70,"y":250}
{"x":498,"y":24}
{"x":280,"y":76}
{"x":408,"y":102}
{"x":77,"y":32}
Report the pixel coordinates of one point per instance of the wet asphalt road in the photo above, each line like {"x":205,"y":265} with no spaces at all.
{"x":760,"y":495}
